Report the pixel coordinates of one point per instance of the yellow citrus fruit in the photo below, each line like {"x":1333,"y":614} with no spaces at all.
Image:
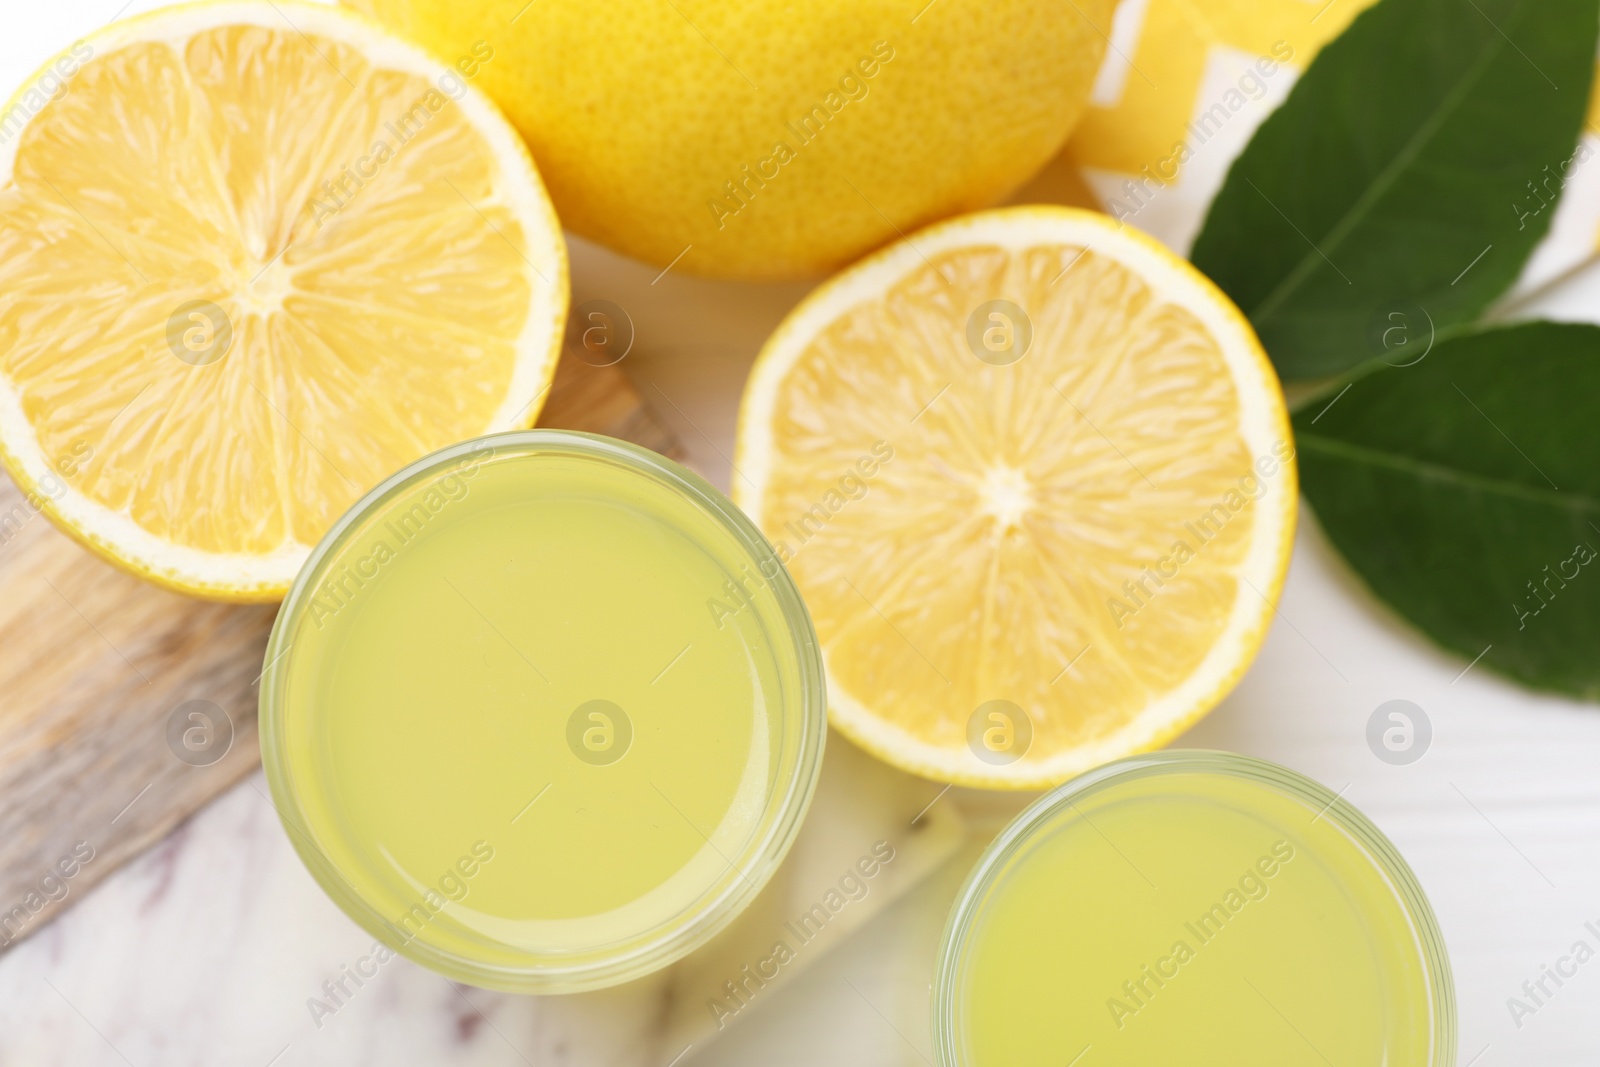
{"x":1034,"y":477}
{"x":771,"y":139}
{"x":253,"y":257}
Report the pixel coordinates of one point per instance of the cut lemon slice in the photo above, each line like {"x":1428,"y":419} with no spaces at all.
{"x":1034,"y":477}
{"x":253,"y":257}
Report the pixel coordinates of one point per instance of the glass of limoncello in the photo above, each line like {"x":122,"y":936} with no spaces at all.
{"x":543,"y":711}
{"x":1198,"y":908}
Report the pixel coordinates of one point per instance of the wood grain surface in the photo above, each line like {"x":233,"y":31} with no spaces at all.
{"x":96,"y":664}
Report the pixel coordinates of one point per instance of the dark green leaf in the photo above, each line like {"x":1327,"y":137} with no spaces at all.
{"x":1465,"y":490}
{"x":1406,"y":170}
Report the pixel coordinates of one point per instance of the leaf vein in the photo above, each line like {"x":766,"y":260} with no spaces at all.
{"x":1386,"y":178}
{"x":1424,"y":470}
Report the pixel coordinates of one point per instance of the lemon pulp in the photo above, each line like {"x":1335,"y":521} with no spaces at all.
{"x":255,"y":259}
{"x":1022,"y":457}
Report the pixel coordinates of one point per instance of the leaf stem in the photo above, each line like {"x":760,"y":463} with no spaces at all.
{"x":1312,"y":392}
{"x":1516,"y":303}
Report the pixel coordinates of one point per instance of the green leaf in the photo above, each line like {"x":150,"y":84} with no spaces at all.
{"x":1405,"y":171}
{"x":1465,"y":490}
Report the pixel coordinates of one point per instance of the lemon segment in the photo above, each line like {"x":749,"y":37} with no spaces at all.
{"x":255,"y":257}
{"x":1024,"y":456}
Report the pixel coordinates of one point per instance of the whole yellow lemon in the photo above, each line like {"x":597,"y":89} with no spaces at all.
{"x":770,"y":138}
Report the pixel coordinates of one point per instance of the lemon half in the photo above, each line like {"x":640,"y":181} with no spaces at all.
{"x":1035,"y":479}
{"x":253,"y":257}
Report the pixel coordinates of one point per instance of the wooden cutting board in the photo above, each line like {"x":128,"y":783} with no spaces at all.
{"x":97,"y":669}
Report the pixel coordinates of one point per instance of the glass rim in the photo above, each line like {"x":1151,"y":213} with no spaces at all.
{"x":785,"y":808}
{"x":1021,"y":831}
